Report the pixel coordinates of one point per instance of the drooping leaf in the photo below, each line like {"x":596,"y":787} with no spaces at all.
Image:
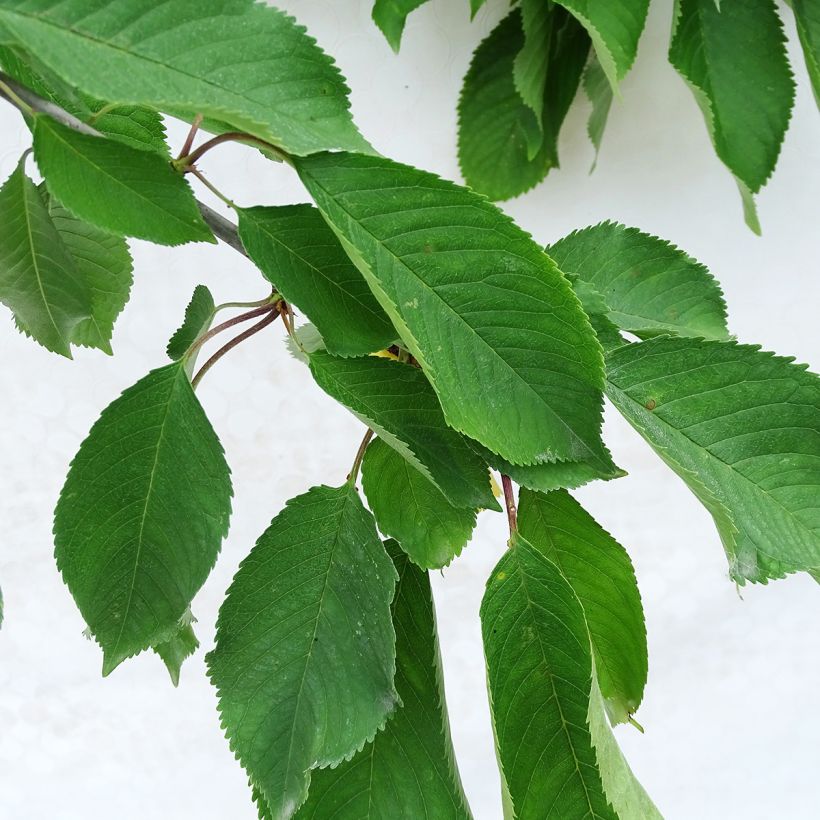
{"x":408,"y":770}
{"x":807,"y":17}
{"x":142,"y":514}
{"x":179,"y":646}
{"x":246,"y":65}
{"x":297,"y":252}
{"x":615,"y":29}
{"x":531,"y":63}
{"x":734,"y":60}
{"x":305,"y":647}
{"x":134,"y":125}
{"x":599,"y":91}
{"x":650,"y":286}
{"x":398,"y":403}
{"x":38,"y":280}
{"x":198,"y":317}
{"x":485,"y":312}
{"x":623,"y":791}
{"x":120,"y":189}
{"x":410,"y":507}
{"x":504,"y":147}
{"x":539,"y":674}
{"x":103,"y":261}
{"x":742,"y":428}
{"x":601,"y":575}
{"x":391,"y":16}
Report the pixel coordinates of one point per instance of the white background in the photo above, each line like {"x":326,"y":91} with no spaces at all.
{"x":731,"y":707}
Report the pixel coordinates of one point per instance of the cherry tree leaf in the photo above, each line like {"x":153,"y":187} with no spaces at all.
{"x":305,"y":647}
{"x":242,"y":64}
{"x":300,"y":255}
{"x":39,"y":282}
{"x":649,"y":286}
{"x":734,"y":60}
{"x":539,"y":675}
{"x":601,"y":574}
{"x":179,"y":646}
{"x":408,"y":506}
{"x":142,"y":514}
{"x":409,"y":768}
{"x":398,"y":403}
{"x":807,"y":17}
{"x":742,"y":428}
{"x":120,"y":189}
{"x":505,"y":147}
{"x":597,"y":88}
{"x":391,"y":16}
{"x":198,"y":317}
{"x":488,"y":316}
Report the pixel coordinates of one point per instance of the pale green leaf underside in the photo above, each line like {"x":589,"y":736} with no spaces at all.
{"x":121,"y":189}
{"x":300,"y":255}
{"x":181,"y":644}
{"x":391,"y":16}
{"x":599,"y":91}
{"x":650,"y":286}
{"x":504,"y":146}
{"x":491,"y":320}
{"x":235,"y":61}
{"x":398,"y":403}
{"x":742,"y":428}
{"x":807,"y":17}
{"x":539,"y":674}
{"x":409,"y":769}
{"x":198,"y":317}
{"x":615,"y":28}
{"x":104,"y":263}
{"x":305,"y":647}
{"x":734,"y":60}
{"x":411,"y":509}
{"x":531,"y":63}
{"x":601,"y":574}
{"x":624,"y":792}
{"x":38,"y":280}
{"x":142,"y":514}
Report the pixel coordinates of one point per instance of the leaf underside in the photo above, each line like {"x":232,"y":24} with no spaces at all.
{"x":198,"y":317}
{"x":742,"y":428}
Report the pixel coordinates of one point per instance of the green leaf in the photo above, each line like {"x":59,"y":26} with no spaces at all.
{"x":650,"y":286}
{"x":198,"y":317}
{"x":179,"y":647}
{"x":531,"y":64}
{"x":305,"y":647}
{"x":615,"y":29}
{"x":409,"y":507}
{"x":391,"y":15}
{"x":807,"y":17}
{"x":601,"y":574}
{"x":734,"y":60}
{"x":624,"y":792}
{"x":38,"y":280}
{"x":399,"y":404}
{"x":103,"y":261}
{"x":599,"y":91}
{"x":742,"y":428}
{"x":118,"y":188}
{"x":504,"y":147}
{"x":300,"y":255}
{"x":409,"y":769}
{"x":539,"y":674}
{"x":485,"y":312}
{"x":142,"y":514}
{"x":240,"y":63}
{"x":132,"y":125}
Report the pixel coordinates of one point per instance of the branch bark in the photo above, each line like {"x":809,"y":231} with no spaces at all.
{"x":222,"y":228}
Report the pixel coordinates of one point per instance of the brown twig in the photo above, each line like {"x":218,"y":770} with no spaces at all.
{"x":509,"y":501}
{"x":189,"y":140}
{"x":242,"y":317}
{"x":357,"y":462}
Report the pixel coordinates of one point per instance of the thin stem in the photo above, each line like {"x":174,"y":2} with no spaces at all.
{"x":357,"y":462}
{"x":102,"y":112}
{"x":226,"y":348}
{"x":212,"y":188}
{"x":509,"y":501}
{"x":8,"y":92}
{"x":268,"y":300}
{"x":189,"y":140}
{"x":188,"y":160}
{"x":242,"y":317}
